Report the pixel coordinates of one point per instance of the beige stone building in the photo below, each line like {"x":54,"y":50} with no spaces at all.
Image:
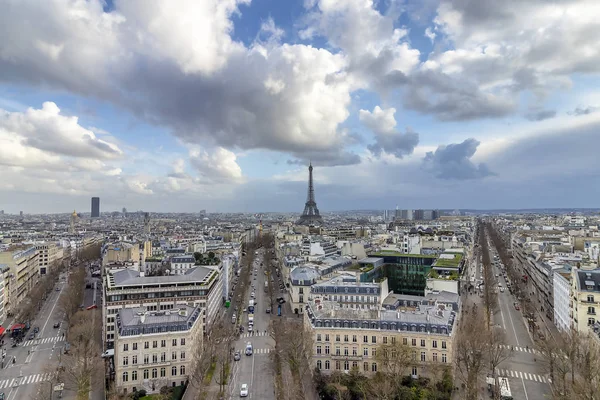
{"x":121,"y":252}
{"x":585,"y":303}
{"x":347,"y":338}
{"x":48,"y":253}
{"x":24,"y":274}
{"x":156,"y":349}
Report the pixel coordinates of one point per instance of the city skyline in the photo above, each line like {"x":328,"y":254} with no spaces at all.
{"x":425,"y":105}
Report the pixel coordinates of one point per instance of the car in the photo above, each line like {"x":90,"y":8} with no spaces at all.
{"x":244,"y":390}
{"x":268,"y":310}
{"x":36,"y":329}
{"x":248,"y":349}
{"x":57,"y":289}
{"x":253,"y":295}
{"x":237,"y":356}
{"x":250,"y":327}
{"x":31,"y":336}
{"x":517,"y":307}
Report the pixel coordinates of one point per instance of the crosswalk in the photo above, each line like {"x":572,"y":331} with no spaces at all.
{"x":254,"y":334}
{"x":525,"y":375}
{"x":25,"y":380}
{"x":523,"y":349}
{"x":262,"y":351}
{"x":42,"y":340}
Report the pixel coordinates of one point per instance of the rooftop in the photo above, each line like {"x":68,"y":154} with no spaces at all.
{"x":448,"y":260}
{"x":138,"y":321}
{"x":588,"y":281}
{"x":129,"y":277}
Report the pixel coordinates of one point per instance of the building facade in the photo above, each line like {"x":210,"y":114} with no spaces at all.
{"x":198,"y":287}
{"x":562,"y":300}
{"x":95,"y":207}
{"x":24,"y":274}
{"x":181,"y":264}
{"x":346,"y":339}
{"x":48,"y":253}
{"x":585,"y":287}
{"x":156,"y":349}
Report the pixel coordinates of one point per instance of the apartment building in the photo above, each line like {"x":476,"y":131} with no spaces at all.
{"x":24,"y":274}
{"x":562,"y":299}
{"x":313,"y":250}
{"x":350,"y":338}
{"x":181,"y":264}
{"x":585,"y":304}
{"x":155,"y":348}
{"x":4,"y":277}
{"x":48,"y":253}
{"x":348,"y":292}
{"x":197,"y":287}
{"x":120,"y":252}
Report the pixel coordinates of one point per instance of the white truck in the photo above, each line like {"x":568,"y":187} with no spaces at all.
{"x":251,"y":319}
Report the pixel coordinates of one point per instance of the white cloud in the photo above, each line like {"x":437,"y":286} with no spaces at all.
{"x":430,"y":34}
{"x":217,"y":164}
{"x":379,"y":120}
{"x":387,"y":138}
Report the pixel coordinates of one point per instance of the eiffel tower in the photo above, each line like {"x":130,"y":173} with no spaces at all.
{"x":311,"y":215}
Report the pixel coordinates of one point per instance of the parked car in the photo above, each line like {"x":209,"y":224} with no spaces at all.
{"x":244,"y":390}
{"x":517,"y":307}
{"x":268,"y":310}
{"x":31,"y":336}
{"x":36,"y":329}
{"x":237,"y":356}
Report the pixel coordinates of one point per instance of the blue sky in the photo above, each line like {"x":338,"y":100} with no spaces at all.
{"x":221,"y":104}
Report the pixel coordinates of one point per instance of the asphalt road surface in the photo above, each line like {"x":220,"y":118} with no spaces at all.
{"x":255,"y":370}
{"x":37,"y":359}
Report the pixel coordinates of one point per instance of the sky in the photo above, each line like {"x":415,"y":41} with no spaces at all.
{"x":221,"y":104}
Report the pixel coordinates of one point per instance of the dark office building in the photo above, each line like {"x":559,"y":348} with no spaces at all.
{"x":95,"y":207}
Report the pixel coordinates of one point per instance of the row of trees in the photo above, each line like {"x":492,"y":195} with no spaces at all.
{"x":572,"y":359}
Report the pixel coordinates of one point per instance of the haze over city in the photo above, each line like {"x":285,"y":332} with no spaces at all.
{"x":221,"y":105}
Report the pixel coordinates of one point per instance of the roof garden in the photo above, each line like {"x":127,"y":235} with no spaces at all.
{"x":382,"y":253}
{"x":448,"y":260}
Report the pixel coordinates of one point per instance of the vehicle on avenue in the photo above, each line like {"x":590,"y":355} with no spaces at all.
{"x":268,"y":310}
{"x":237,"y":356}
{"x":56,"y":325}
{"x":249,"y":349}
{"x":244,"y":390}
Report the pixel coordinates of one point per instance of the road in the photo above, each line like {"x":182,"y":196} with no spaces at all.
{"x":526,"y":375}
{"x":35,"y":360}
{"x":255,"y":370}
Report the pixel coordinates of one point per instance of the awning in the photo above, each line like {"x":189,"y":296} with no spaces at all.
{"x":17,"y":327}
{"x":2,"y":330}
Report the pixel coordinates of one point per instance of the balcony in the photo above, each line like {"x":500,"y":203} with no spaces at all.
{"x":349,"y":358}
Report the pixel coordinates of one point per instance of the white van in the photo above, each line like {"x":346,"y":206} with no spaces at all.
{"x":249,"y":349}
{"x":233,"y":318}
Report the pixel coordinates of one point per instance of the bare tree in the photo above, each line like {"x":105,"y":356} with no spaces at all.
{"x":394,"y":358}
{"x":469,"y":351}
{"x":497,"y":351}
{"x":382,"y":387}
{"x":72,"y":299}
{"x":587,"y":379}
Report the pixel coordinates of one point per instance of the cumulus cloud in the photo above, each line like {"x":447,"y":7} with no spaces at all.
{"x":387,"y":139}
{"x":218,"y":165}
{"x":540,"y":115}
{"x":453,"y":161}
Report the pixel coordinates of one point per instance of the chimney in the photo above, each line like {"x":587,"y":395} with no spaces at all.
{"x":142,"y":318}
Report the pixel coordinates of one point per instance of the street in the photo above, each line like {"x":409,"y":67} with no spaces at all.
{"x":255,"y":370}
{"x":35,"y":360}
{"x":526,"y":375}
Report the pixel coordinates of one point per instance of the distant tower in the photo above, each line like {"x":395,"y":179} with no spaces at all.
{"x":73,"y":221}
{"x":21,"y":214}
{"x":95,"y":207}
{"x":147,"y":223}
{"x":311,"y":215}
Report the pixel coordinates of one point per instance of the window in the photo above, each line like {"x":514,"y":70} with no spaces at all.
{"x":154,"y":373}
{"x":146,"y":345}
{"x":337,"y":351}
{"x":393,"y":339}
{"x":346,"y":365}
{"x":182,"y":341}
{"x":592,"y":310}
{"x":154,"y":358}
{"x":385,"y":340}
{"x":366,"y":366}
{"x":405,"y":341}
{"x":374,"y":367}
{"x":125,"y":347}
{"x":146,"y":358}
{"x":146,"y":374}
{"x":443,"y":344}
{"x":134,"y":375}
{"x":373,"y":339}
{"x":354,"y":338}
{"x":134,"y":360}
{"x":318,"y":337}
{"x":327,"y":364}
{"x":354,"y":364}
{"x":345,"y":351}
{"x":163,"y":357}
{"x":345,"y":338}
{"x":414,"y":371}
{"x":182,"y":370}
{"x":590,"y":298}
{"x":327,"y":337}
{"x":373,"y":352}
{"x":154,"y":344}
{"x":444,"y":359}
{"x":337,"y":338}
{"x":182,"y":355}
{"x":354,"y":351}
{"x":163,"y":343}
{"x":423,"y":356}
{"x":414,"y":342}
{"x":173,"y":355}
{"x":434,"y":357}
{"x":422,"y":342}
{"x":134,"y":348}
{"x":173,"y":371}
{"x":125,"y":377}
{"x":163,"y":372}
{"x":338,"y":365}
{"x":591,"y":321}
{"x":414,"y":355}
{"x":434,"y":344}
{"x":174,"y":342}
{"x":125,"y":360}
{"x":326,"y":349}
{"x":366,"y":352}
{"x":319,"y":364}
{"x":318,"y":349}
